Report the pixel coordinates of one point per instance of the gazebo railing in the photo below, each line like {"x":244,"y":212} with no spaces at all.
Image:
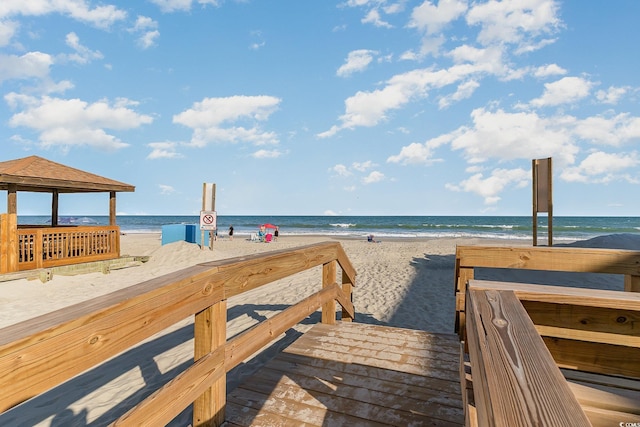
{"x":43,"y":247}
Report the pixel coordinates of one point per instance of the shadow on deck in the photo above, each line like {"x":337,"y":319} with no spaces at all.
{"x":355,"y":374}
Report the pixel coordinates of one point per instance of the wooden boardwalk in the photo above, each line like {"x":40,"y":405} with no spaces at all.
{"x":357,"y":375}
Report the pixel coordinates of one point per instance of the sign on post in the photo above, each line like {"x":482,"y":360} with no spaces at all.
{"x":208,"y":214}
{"x":208,"y":220}
{"x":542,"y":196}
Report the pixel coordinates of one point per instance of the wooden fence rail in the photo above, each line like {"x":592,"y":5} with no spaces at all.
{"x":31,"y":247}
{"x":536,"y":351}
{"x":38,"y":354}
{"x":581,"y":260}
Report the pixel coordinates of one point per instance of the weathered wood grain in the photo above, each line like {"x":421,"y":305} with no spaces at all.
{"x":516,"y":381}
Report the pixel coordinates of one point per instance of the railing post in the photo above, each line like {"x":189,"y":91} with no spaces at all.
{"x":210,"y":332}
{"x":5,"y":247}
{"x":464,"y":274}
{"x":347,"y":288}
{"x":329,"y":271}
{"x":631,"y":283}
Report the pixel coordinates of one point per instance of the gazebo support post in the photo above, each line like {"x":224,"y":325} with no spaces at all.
{"x":12,"y":199}
{"x":54,"y":208}
{"x":112,"y":208}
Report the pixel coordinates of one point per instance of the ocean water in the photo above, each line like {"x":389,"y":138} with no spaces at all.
{"x":497,"y":227}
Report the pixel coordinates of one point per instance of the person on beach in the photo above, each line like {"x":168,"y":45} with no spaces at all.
{"x":231,"y":232}
{"x":276,"y":234}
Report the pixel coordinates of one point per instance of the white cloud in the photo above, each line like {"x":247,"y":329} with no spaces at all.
{"x":147,"y":31}
{"x":148,"y":39}
{"x":549,"y":70}
{"x":73,"y":122}
{"x":514,"y":22}
{"x":267,"y":154}
{"x":489,"y":188}
{"x":168,"y":6}
{"x":214,"y":120}
{"x":7,"y":31}
{"x":163,"y":150}
{"x":30,"y":65}
{"x":341,"y":170}
{"x":357,"y":61}
{"x":82,"y":55}
{"x":611,"y":95}
{"x":373,"y":177}
{"x":166,"y":189}
{"x":373,"y":17}
{"x":80,"y":10}
{"x":362,"y":166}
{"x":613,"y":131}
{"x":431,"y":19}
{"x":369,"y":108}
{"x":603,"y":167}
{"x":564,"y":91}
{"x":508,"y":136}
{"x":413,"y":153}
{"x":465,"y":90}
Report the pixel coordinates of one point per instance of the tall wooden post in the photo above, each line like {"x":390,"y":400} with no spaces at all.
{"x":54,"y":208}
{"x":112,"y":208}
{"x":329,"y":271}
{"x":208,"y":204}
{"x":210,"y":333}
{"x":542,"y":196}
{"x":12,"y":199}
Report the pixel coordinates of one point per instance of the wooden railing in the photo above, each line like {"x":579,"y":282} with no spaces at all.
{"x":581,"y":260}
{"x":30,"y":247}
{"x":535,"y":350}
{"x":519,"y":338}
{"x":516,"y":382}
{"x":41,"y":353}
{"x":55,"y":246}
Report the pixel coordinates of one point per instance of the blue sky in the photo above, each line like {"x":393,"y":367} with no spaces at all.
{"x":356,"y":107}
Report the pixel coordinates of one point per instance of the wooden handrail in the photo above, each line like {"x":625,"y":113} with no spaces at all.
{"x":591,"y":330}
{"x":41,"y":353}
{"x":582,"y":260}
{"x":515,"y":380}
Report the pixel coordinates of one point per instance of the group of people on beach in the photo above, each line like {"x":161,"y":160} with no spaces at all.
{"x":261,"y":233}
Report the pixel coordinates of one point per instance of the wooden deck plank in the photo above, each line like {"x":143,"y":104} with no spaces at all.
{"x":384,"y":355}
{"x":358,"y":376}
{"x":355,"y":374}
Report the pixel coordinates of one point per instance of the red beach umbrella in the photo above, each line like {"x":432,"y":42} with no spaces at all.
{"x":269,"y":226}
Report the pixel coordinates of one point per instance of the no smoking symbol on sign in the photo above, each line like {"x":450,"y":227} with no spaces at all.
{"x":207,"y":220}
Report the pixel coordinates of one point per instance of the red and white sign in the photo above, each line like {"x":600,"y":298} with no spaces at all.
{"x":208,"y":220}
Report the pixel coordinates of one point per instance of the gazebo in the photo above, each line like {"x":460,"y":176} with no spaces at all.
{"x":26,"y":247}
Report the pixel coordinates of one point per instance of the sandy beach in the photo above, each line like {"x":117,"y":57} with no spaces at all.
{"x":403,"y":282}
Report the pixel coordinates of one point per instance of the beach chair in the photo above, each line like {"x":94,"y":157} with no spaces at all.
{"x":268,"y":237}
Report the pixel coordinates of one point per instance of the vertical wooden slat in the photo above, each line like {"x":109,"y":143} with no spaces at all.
{"x":4,"y":247}
{"x":210,"y":333}
{"x":329,"y":271}
{"x":347,"y":288}
{"x":631,"y":283}
{"x":464,"y":275}
{"x":38,"y":248}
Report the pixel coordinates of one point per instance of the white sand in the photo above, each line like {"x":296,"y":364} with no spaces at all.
{"x":403,"y":283}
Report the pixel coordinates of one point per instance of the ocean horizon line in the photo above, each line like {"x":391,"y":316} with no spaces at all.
{"x":564,"y":228}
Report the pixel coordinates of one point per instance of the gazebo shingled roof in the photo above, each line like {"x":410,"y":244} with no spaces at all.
{"x":36,"y":174}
